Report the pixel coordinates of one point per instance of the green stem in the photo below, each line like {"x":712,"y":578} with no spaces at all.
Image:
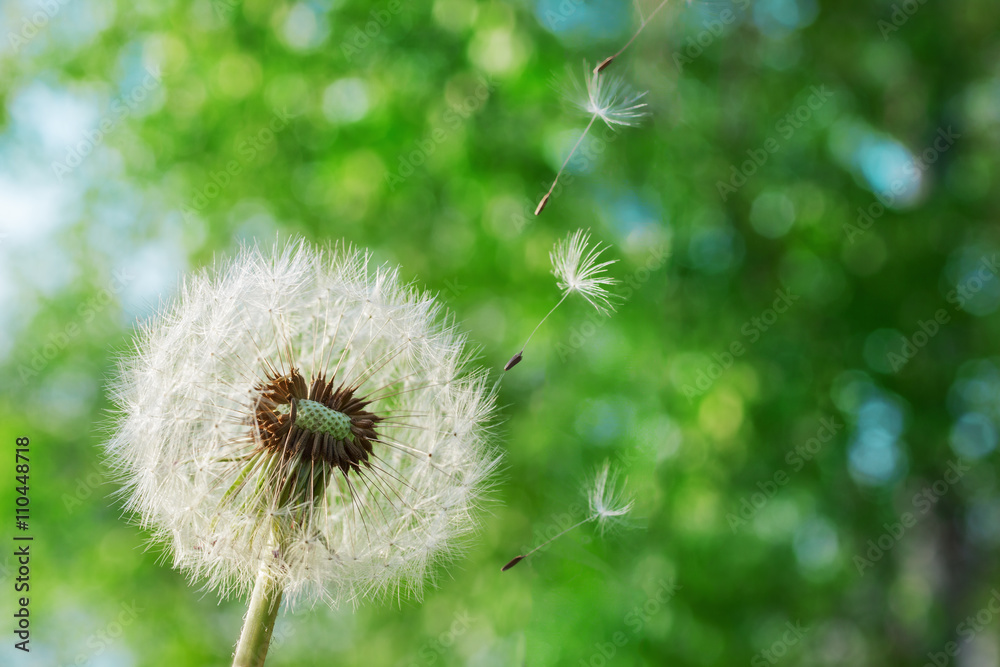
{"x":259,"y":622}
{"x":300,"y":484}
{"x":548,"y":194}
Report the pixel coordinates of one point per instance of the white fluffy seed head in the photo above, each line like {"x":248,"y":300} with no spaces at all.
{"x":575,"y":266}
{"x":192,"y":462}
{"x":607,"y":96}
{"x":609,"y":503}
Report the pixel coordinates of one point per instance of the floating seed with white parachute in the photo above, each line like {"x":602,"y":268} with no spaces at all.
{"x":577,"y":271}
{"x":608,"y":505}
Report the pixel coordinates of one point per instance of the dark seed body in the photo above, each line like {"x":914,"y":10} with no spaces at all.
{"x":514,"y":361}
{"x":513,"y":561}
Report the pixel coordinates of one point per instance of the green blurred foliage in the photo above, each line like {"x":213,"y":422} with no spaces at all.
{"x":429,"y":140}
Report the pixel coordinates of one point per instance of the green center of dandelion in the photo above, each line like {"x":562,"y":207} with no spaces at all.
{"x":302,"y":430}
{"x":315,"y":420}
{"x":315,"y":417}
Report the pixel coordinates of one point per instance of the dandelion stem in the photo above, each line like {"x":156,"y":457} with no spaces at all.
{"x":545,"y":199}
{"x":557,"y":536}
{"x":566,"y":294}
{"x":607,"y":61}
{"x":518,"y":559}
{"x":517,"y":357}
{"x":259,"y":622}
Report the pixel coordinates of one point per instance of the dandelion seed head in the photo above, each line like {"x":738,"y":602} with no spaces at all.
{"x":608,"y":502}
{"x":300,"y":411}
{"x":576,"y":268}
{"x":609,"y":97}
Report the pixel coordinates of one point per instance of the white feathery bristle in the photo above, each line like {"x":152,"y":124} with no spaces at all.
{"x":608,"y":503}
{"x":607,"y":96}
{"x":185,"y":428}
{"x":575,"y":266}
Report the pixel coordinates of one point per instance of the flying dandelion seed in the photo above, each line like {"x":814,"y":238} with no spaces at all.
{"x":609,"y":98}
{"x":607,"y":503}
{"x":601,"y":66}
{"x":299,"y":423}
{"x":577,"y":271}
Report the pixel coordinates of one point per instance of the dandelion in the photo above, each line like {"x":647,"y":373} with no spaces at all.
{"x":608,"y":505}
{"x":298,"y":424}
{"x":609,"y":98}
{"x":575,"y":266}
{"x":645,"y":20}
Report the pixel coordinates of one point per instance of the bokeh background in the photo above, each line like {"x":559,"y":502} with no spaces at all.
{"x":816,"y":486}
